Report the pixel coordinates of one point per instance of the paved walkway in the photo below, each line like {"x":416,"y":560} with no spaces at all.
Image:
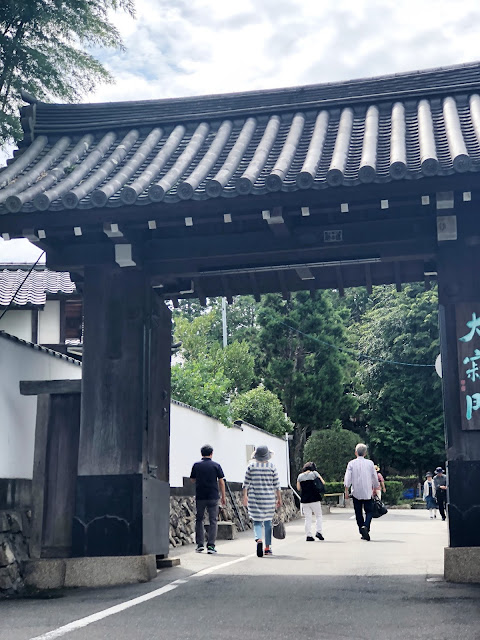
{"x":343,"y":588}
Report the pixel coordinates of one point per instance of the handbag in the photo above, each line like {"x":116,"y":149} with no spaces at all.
{"x":278,"y":527}
{"x":319,"y":486}
{"x":379,"y":509}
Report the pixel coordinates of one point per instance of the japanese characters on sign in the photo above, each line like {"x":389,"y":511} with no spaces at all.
{"x":469,"y":368}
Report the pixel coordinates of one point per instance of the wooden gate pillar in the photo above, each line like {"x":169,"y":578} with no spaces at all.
{"x":122,"y":500}
{"x":459,"y":314}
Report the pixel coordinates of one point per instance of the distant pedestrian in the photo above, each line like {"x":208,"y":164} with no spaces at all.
{"x":208,"y":478}
{"x":261,"y":494}
{"x":381,"y":481}
{"x":363,"y":480}
{"x":440,"y":482}
{"x":429,"y":492}
{"x":307,"y":484}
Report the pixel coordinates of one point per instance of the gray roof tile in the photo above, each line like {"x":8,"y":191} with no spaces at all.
{"x":35,"y":287}
{"x":321,"y":136}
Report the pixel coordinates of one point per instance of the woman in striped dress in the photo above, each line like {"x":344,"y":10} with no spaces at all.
{"x":261,"y":494}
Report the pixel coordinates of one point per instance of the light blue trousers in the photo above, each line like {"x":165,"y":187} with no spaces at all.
{"x":258,"y":526}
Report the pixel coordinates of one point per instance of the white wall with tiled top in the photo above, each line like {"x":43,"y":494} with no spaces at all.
{"x":232,"y":446}
{"x":189,"y":428}
{"x":18,"y":413}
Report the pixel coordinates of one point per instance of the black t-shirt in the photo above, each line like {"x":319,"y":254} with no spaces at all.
{"x":206,"y":473}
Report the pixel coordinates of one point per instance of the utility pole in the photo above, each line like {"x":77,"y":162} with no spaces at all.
{"x":224,"y":321}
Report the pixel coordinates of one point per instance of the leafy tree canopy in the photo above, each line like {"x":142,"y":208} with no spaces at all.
{"x":302,"y":366}
{"x":331,"y":450}
{"x":402,"y":404}
{"x":261,"y":408}
{"x":43,"y":51}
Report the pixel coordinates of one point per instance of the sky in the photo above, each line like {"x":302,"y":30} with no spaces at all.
{"x":193,"y":47}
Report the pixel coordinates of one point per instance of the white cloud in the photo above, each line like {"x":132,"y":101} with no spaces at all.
{"x":212,"y":46}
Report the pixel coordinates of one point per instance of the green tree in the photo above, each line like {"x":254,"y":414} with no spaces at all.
{"x":331,"y":450}
{"x":302,"y":364}
{"x":199,"y":384}
{"x":261,"y":408}
{"x":402,"y":404}
{"x":43,"y":50}
{"x":207,"y":375}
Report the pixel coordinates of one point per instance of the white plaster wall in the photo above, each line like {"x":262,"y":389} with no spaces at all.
{"x":18,"y":413}
{"x":17,"y":323}
{"x":189,"y":430}
{"x":49,"y":323}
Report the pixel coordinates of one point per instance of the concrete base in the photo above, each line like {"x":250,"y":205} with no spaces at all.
{"x":226,"y":530}
{"x":462,"y":564}
{"x":89,"y":572}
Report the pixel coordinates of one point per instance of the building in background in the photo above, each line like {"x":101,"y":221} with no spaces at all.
{"x":47,"y":309}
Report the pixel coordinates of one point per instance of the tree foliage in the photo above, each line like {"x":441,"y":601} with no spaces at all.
{"x":402,"y":405}
{"x":331,"y":450}
{"x":43,"y":50}
{"x":301,"y":364}
{"x":261,"y":408}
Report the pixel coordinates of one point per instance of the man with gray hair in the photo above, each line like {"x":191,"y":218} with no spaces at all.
{"x":363,"y":480}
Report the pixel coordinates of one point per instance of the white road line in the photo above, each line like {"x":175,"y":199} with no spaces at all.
{"x":84,"y":622}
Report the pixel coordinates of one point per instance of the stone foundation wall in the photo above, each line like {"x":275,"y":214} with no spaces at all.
{"x":14,"y":534}
{"x":182,"y":515}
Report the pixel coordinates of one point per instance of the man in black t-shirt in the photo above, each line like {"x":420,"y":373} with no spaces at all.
{"x":209,"y":478}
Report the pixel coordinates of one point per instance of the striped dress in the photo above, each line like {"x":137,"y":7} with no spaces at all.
{"x":261,"y":482}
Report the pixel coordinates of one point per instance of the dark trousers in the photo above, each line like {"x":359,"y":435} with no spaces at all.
{"x":360,"y":506}
{"x":441,"y":497}
{"x":212,"y":507}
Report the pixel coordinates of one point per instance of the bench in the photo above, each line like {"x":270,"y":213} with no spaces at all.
{"x":340,"y":496}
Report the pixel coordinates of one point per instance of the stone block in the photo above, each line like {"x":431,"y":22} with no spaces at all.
{"x":167,"y":563}
{"x":4,"y":522}
{"x":108,"y":571}
{"x":226,"y":530}
{"x":45,"y":574}
{"x":6,"y":554}
{"x":6,"y":583}
{"x":325,"y":508}
{"x":462,"y":564}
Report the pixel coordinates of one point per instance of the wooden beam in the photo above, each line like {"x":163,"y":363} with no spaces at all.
{"x":35,"y":326}
{"x":226,"y":289}
{"x":340,"y":285}
{"x":254,"y":286}
{"x":368,"y":278}
{"x":398,"y":277}
{"x":283,"y":287}
{"x":41,"y":387}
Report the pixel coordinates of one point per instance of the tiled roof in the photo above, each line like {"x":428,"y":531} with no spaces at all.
{"x":35,"y":288}
{"x":405,"y":126}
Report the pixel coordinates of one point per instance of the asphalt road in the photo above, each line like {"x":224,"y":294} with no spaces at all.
{"x":390,"y":588}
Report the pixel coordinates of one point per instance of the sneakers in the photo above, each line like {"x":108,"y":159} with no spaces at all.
{"x":319,"y":536}
{"x":364,"y":533}
{"x":259,"y":548}
{"x":310,"y":539}
{"x":268,"y":551}
{"x":211,"y":548}
{"x":199,"y":548}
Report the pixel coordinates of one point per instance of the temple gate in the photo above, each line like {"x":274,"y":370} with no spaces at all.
{"x":357,"y":183}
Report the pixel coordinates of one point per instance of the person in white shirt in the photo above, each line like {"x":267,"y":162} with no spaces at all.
{"x":363,"y":480}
